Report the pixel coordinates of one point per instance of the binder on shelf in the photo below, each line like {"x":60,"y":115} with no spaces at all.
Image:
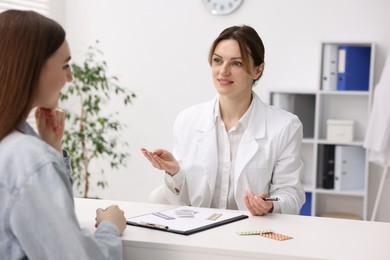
{"x":328,"y":167}
{"x":353,"y":67}
{"x":329,"y":67}
{"x":284,"y":101}
{"x":306,"y":208}
{"x":349,"y":168}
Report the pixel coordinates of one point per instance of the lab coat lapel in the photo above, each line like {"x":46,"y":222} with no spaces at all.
{"x":207,"y":144}
{"x":249,"y":141}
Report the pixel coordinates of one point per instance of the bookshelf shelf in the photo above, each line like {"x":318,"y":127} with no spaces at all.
{"x":307,"y":187}
{"x":328,"y":190}
{"x":308,"y":141}
{"x":358,"y":193}
{"x":346,"y":93}
{"x":354,"y":143}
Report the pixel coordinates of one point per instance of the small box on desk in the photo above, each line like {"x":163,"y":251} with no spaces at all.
{"x":339,"y":130}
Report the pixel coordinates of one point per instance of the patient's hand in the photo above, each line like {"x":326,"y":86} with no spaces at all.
{"x":50,"y":124}
{"x":112,"y":214}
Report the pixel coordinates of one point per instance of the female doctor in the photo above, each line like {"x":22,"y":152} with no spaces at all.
{"x":234,"y":151}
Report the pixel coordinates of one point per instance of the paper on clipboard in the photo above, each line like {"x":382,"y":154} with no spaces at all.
{"x":186,"y":220}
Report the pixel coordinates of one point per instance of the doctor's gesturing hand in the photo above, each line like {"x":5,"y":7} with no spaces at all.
{"x":162,"y":160}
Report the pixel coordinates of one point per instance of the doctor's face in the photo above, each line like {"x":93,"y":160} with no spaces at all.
{"x":229,"y":76}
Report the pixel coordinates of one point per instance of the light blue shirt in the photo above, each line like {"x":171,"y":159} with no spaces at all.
{"x":37,"y":217}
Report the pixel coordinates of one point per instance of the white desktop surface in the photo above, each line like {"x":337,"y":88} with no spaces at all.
{"x":313,"y":237}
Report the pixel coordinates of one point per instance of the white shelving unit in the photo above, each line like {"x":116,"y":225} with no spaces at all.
{"x":314,"y":109}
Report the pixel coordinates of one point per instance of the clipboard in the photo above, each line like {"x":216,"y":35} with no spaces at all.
{"x":186,"y":220}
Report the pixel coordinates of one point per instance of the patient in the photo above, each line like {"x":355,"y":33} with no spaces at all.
{"x":37,"y":217}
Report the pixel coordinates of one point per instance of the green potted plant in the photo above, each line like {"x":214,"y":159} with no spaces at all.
{"x":91,"y":133}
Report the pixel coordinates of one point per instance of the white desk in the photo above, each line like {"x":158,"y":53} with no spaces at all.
{"x":314,"y":237}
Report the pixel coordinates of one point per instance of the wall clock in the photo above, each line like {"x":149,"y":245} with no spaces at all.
{"x":222,"y":7}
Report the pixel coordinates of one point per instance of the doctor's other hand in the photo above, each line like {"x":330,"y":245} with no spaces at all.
{"x":256,"y":205}
{"x":163,"y":160}
{"x":50,"y":124}
{"x":112,"y":214}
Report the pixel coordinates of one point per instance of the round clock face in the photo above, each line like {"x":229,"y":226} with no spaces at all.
{"x":222,"y":6}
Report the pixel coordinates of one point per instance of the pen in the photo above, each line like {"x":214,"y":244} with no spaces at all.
{"x":161,"y":215}
{"x":147,"y":224}
{"x":214,"y":216}
{"x":271,"y":199}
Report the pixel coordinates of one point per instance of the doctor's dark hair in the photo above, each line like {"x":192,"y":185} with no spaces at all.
{"x":249,"y":41}
{"x":27,"y":40}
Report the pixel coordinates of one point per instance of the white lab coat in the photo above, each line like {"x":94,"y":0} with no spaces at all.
{"x":378,"y":130}
{"x":268,"y":157}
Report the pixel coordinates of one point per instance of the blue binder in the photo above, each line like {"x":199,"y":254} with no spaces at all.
{"x":306,"y":208}
{"x":353,"y":67}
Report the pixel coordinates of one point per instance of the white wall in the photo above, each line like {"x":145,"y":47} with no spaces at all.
{"x":159,"y":50}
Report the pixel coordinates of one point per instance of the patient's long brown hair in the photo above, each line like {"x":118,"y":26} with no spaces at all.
{"x":27,"y":40}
